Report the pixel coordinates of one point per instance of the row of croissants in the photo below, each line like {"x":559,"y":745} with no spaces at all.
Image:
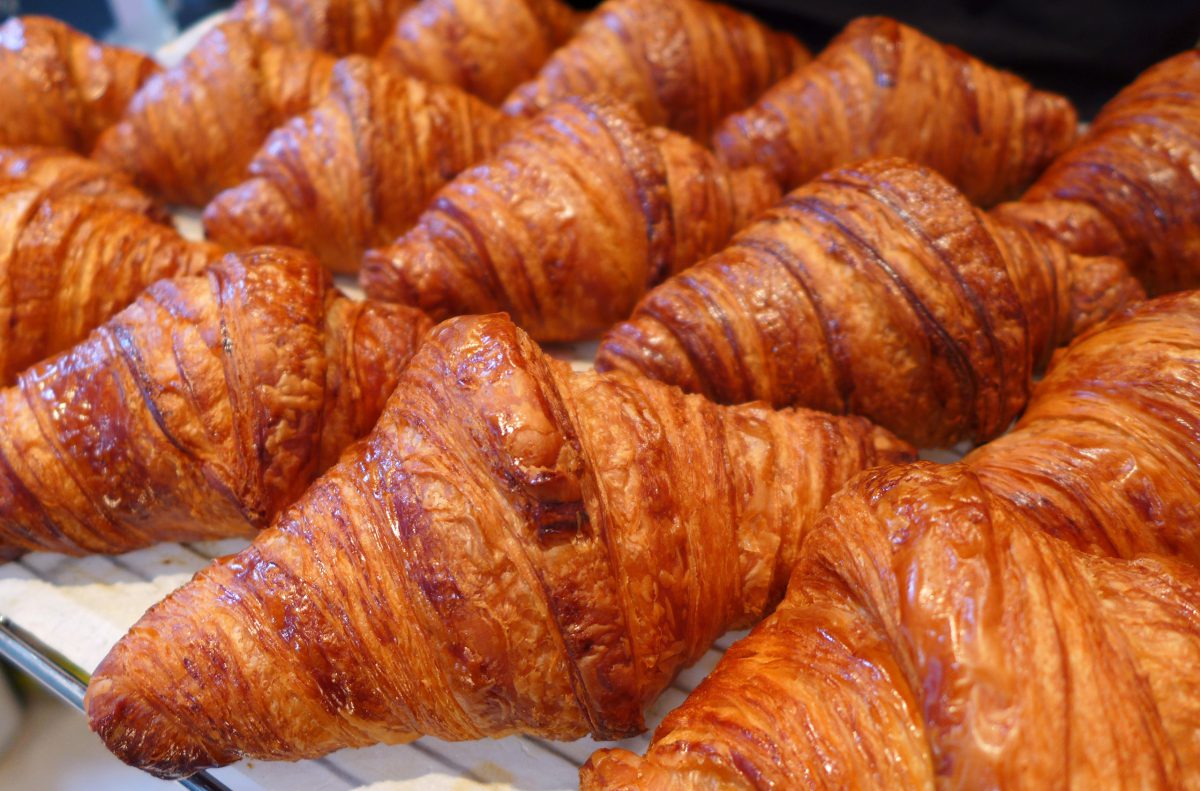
{"x":799,"y":269}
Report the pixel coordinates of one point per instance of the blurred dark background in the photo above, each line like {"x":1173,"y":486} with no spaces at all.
{"x":1086,"y":49}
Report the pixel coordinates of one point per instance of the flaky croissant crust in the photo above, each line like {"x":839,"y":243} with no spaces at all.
{"x":197,"y":412}
{"x":339,"y":27}
{"x":356,"y":170}
{"x":1130,"y":186}
{"x":568,"y":224}
{"x":515,"y":548}
{"x":1011,"y":621}
{"x":191,"y":131}
{"x":60,"y":173}
{"x":683,"y":64}
{"x":70,"y":258}
{"x":878,"y":290}
{"x":884,"y":89}
{"x":61,"y":87}
{"x":485,"y":47}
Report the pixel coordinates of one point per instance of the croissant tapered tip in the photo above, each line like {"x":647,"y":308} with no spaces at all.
{"x":117,"y":147}
{"x":889,"y":449}
{"x":133,"y":729}
{"x":644,"y":346}
{"x":253,"y":213}
{"x":1103,"y":287}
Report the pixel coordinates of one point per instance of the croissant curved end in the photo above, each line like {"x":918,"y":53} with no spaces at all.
{"x":643,"y":346}
{"x":116,"y":713}
{"x":116,"y":147}
{"x":253,"y":213}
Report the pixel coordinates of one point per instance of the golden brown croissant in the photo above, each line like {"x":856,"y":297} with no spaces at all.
{"x":683,"y":64}
{"x":356,"y":170}
{"x":1026,"y":619}
{"x":485,"y":47}
{"x":199,"y":411}
{"x":69,"y":261}
{"x":192,"y":130}
{"x":339,"y":27}
{"x":876,"y":290}
{"x":59,"y":87}
{"x":1131,"y":187}
{"x":515,"y":548}
{"x":568,"y":224}
{"x":884,"y":89}
{"x":60,"y":172}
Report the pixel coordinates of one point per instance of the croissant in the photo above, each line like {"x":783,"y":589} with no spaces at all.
{"x":1023,"y":620}
{"x":568,"y":224}
{"x":884,"y":89}
{"x":683,"y":64}
{"x":1131,"y":187}
{"x":516,"y":547}
{"x":68,"y":261}
{"x":339,"y":27}
{"x":878,"y":290}
{"x":60,"y":173}
{"x":59,"y":87}
{"x":192,"y":130}
{"x":199,"y":411}
{"x":485,"y":47}
{"x":357,"y":169}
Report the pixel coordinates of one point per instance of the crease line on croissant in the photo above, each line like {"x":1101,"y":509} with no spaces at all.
{"x":875,"y":289}
{"x":199,"y":411}
{"x":77,"y":243}
{"x":81,"y":86}
{"x":881,"y":88}
{"x":682,"y":64}
{"x":502,"y":504}
{"x":1129,"y":187}
{"x":355,"y":170}
{"x":1020,"y":617}
{"x":568,"y":224}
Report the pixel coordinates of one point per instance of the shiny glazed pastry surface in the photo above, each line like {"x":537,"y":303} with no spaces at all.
{"x":357,"y":169}
{"x":197,"y":412}
{"x":568,"y":224}
{"x":77,"y":244}
{"x":1131,"y":186}
{"x":683,"y":64}
{"x":339,"y":27}
{"x":516,"y":547}
{"x":485,"y":47}
{"x":876,"y":289}
{"x":884,"y":89}
{"x":192,"y":130}
{"x":1024,"y":619}
{"x":59,"y":172}
{"x":60,"y":87}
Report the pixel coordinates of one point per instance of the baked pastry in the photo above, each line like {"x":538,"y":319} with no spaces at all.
{"x":199,"y":411}
{"x":60,"y":172}
{"x":884,"y":89}
{"x":877,"y":290}
{"x":485,"y":47}
{"x":683,"y":64}
{"x":1023,"y":620}
{"x":192,"y":130}
{"x":1131,"y":187}
{"x":60,"y":87}
{"x":568,"y":223}
{"x":356,"y":170}
{"x":515,"y":548}
{"x":339,"y":27}
{"x":69,"y":260}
